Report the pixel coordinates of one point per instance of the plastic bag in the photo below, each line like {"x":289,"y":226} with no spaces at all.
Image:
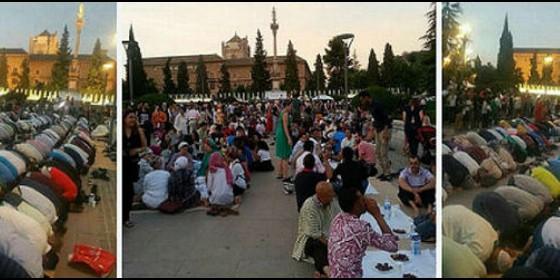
{"x":101,"y":261}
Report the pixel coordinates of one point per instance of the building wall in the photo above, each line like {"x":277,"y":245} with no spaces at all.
{"x":43,"y":44}
{"x":523,"y":61}
{"x":14,"y":62}
{"x":239,"y":74}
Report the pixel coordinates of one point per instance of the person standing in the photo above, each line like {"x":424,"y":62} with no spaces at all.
{"x":412,"y":118}
{"x":383,"y":125}
{"x":134,"y":143}
{"x":284,"y":143}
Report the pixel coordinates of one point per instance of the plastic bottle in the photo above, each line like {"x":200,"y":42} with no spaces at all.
{"x":387,"y":208}
{"x":415,"y":245}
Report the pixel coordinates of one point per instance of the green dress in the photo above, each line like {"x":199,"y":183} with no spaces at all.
{"x":283,"y":149}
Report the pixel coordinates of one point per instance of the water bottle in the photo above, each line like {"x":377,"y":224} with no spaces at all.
{"x":415,"y":244}
{"x":387,"y":208}
{"x":91,"y":200}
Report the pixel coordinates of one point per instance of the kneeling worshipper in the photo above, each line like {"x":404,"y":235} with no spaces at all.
{"x":460,"y":261}
{"x":468,"y":228}
{"x":349,"y":237}
{"x":314,"y":223}
{"x":527,"y":205}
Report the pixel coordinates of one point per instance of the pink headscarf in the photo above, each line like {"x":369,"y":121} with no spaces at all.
{"x":217,"y":161}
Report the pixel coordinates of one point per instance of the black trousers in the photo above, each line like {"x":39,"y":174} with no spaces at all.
{"x":428,"y":197}
{"x":317,"y":250}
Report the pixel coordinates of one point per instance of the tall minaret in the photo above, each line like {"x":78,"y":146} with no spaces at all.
{"x":74,"y":75}
{"x":275,"y":79}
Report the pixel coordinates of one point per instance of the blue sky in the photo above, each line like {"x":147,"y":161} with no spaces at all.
{"x":20,"y":21}
{"x":194,"y":28}
{"x":533,"y":25}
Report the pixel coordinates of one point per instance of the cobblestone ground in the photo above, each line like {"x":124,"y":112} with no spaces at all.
{"x":94,"y":226}
{"x":257,"y":243}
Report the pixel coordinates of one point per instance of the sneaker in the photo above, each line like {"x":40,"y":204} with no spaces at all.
{"x":287,"y":189}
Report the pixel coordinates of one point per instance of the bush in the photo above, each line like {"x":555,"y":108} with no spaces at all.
{"x":154,"y":99}
{"x":391,"y":102}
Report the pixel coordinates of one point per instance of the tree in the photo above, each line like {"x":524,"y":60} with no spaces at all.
{"x":225,"y":83}
{"x":430,"y":36}
{"x":24,"y":81}
{"x":140,"y":85}
{"x":317,"y":81}
{"x":534,"y":77}
{"x":373,"y":69}
{"x":168,"y":84}
{"x":259,"y":73}
{"x":96,"y":80}
{"x":547,"y":74}
{"x":291,"y":83}
{"x":388,"y":67}
{"x":3,"y":69}
{"x":183,"y":79}
{"x":450,"y":12}
{"x":506,"y":64}
{"x":59,"y":75}
{"x":334,"y":58}
{"x":201,"y":77}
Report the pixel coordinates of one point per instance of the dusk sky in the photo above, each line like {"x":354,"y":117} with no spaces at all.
{"x":199,"y":28}
{"x":20,"y":21}
{"x":533,"y":25}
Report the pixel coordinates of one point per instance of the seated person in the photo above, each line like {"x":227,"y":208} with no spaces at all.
{"x":353,"y":173}
{"x":349,"y":140}
{"x":181,"y":186}
{"x":350,"y":237}
{"x":425,"y":224}
{"x":263,"y":160}
{"x":366,"y":154}
{"x":155,"y":188}
{"x":306,"y":181}
{"x":313,"y":228}
{"x":308,"y":148}
{"x":219,"y":183}
{"x":238,"y":172}
{"x":416,"y":185}
{"x":183,"y":152}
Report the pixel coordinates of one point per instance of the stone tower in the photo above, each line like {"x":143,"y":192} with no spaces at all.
{"x":74,"y":75}
{"x":275,"y":75}
{"x":236,"y":47}
{"x":44,"y":43}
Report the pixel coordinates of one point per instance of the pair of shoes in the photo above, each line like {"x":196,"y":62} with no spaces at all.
{"x":384,"y":178}
{"x":128,"y":224}
{"x":288,"y":189}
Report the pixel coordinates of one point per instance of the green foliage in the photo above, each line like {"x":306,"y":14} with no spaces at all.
{"x":373,"y":69}
{"x":24,"y":81}
{"x":259,"y":74}
{"x":506,"y":64}
{"x":183,"y":79}
{"x":388,"y":71}
{"x":225,"y":83}
{"x":334,"y":59}
{"x":318,"y":79}
{"x":201,"y":77}
{"x":391,"y":102}
{"x":168,"y":83}
{"x":430,"y":36}
{"x":3,"y":69}
{"x":14,"y":98}
{"x":534,"y":77}
{"x":140,"y":84}
{"x":154,"y":99}
{"x":450,"y":13}
{"x":61,"y":68}
{"x":96,"y":80}
{"x":292,"y":77}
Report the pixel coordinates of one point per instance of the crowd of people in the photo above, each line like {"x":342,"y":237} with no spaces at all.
{"x":474,"y":109}
{"x":41,"y":162}
{"x":180,"y":156}
{"x":512,"y":230}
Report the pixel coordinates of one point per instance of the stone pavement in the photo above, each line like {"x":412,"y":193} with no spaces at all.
{"x":95,"y":226}
{"x":257,"y":243}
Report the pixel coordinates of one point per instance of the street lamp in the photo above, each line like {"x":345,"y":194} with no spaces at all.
{"x":126,"y":45}
{"x":347,"y":39}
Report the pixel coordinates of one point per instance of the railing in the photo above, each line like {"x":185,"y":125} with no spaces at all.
{"x":250,"y":96}
{"x":52,"y":95}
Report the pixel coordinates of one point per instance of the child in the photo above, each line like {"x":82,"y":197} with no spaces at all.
{"x":238,"y":172}
{"x":263,"y":161}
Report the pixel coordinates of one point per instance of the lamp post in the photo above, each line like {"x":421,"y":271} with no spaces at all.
{"x":129,"y":62}
{"x":347,"y":39}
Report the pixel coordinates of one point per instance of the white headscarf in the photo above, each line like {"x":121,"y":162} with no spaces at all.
{"x":551,"y":232}
{"x":181,"y":163}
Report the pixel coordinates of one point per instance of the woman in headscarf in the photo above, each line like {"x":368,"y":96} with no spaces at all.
{"x":219,"y":181}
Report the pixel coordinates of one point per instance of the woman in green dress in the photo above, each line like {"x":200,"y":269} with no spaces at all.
{"x":284,"y":142}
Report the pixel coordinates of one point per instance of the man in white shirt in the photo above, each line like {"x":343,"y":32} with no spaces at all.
{"x":308,"y":148}
{"x":180,"y":123}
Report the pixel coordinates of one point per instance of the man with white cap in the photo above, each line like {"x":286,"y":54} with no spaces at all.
{"x":183,"y":148}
